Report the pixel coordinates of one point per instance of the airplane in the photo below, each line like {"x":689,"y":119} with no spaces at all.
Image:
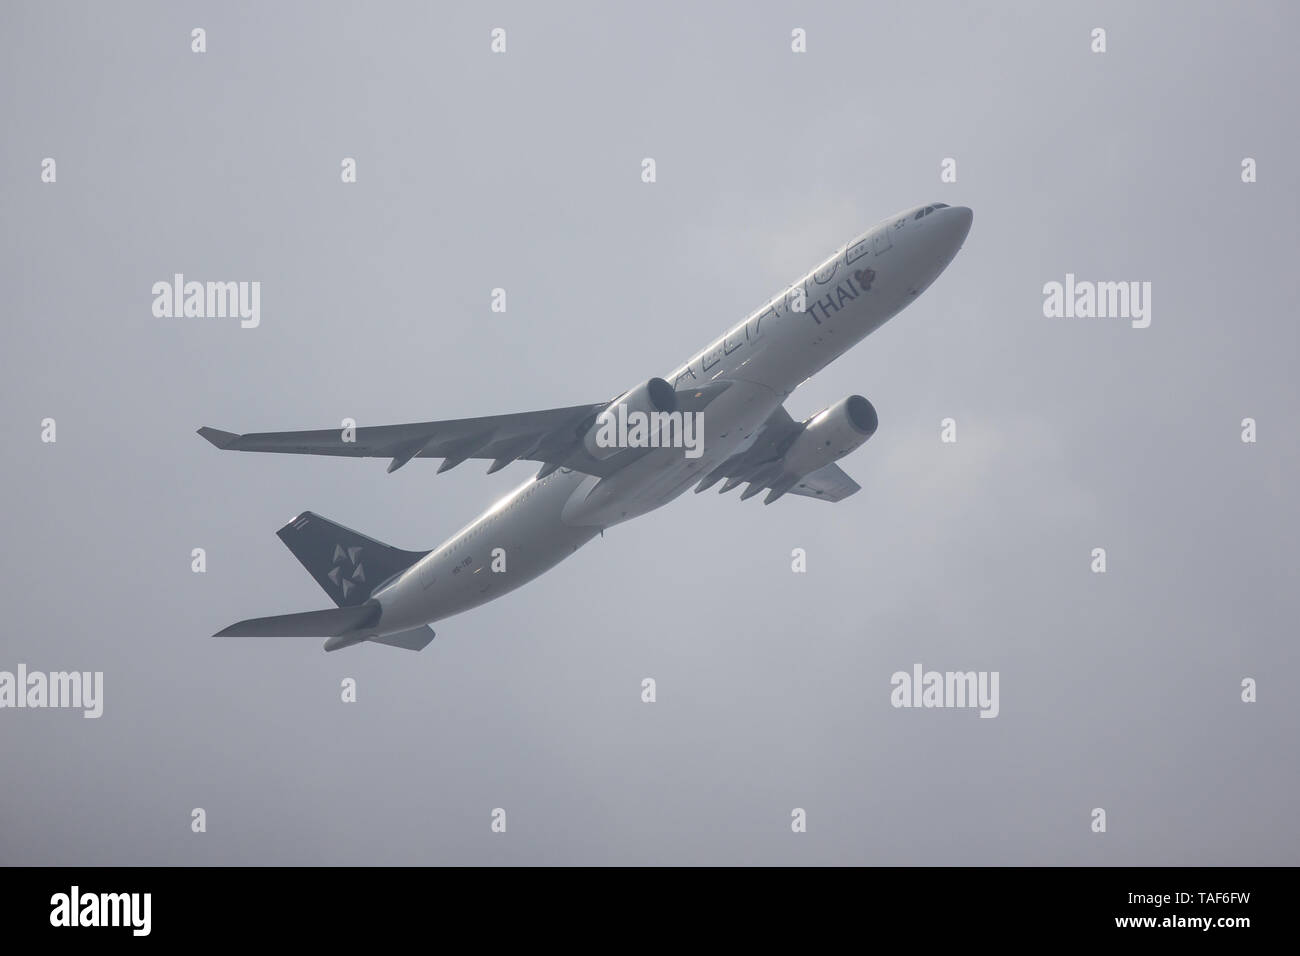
{"x":735,"y":387}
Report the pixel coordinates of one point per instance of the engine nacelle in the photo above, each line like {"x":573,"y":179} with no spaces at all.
{"x":832,"y":434}
{"x":654,"y":395}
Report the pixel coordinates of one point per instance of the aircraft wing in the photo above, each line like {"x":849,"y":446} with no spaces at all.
{"x":828,"y":483}
{"x":552,"y":436}
{"x":762,"y":465}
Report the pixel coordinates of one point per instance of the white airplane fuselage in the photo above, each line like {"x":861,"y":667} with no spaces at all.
{"x":765,"y":358}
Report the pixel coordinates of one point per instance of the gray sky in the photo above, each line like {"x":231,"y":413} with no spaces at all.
{"x":522,"y":171}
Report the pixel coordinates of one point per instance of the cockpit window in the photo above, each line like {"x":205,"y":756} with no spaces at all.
{"x":940,"y":205}
{"x":919,"y":214}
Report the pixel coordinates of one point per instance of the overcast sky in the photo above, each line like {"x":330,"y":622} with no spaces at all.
{"x":1119,"y":691}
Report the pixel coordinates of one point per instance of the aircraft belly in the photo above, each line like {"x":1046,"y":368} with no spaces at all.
{"x":658,"y":477}
{"x":509,"y":550}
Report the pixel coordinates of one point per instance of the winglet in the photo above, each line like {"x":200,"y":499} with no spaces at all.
{"x":218,"y":437}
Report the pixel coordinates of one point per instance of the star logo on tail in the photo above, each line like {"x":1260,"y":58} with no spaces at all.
{"x":348,"y":570}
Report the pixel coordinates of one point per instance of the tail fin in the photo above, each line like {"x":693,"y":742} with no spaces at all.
{"x":347,"y":564}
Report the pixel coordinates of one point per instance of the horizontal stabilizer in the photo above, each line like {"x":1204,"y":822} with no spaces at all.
{"x":327,"y":623}
{"x":416,"y":639}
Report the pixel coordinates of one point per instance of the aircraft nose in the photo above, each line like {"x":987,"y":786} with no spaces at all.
{"x":945,"y":230}
{"x":939,"y":238}
{"x":956,"y":223}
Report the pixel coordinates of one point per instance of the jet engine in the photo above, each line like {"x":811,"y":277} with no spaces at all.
{"x":831,"y":434}
{"x":651,"y":396}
